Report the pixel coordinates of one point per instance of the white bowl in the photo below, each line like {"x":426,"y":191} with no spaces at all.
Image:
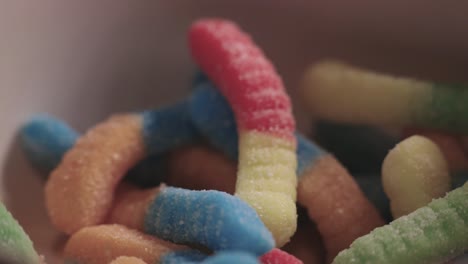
{"x":69,"y":58}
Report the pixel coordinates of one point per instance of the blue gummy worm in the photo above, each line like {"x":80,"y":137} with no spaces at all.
{"x":45,"y":140}
{"x":214,"y":219}
{"x":167,"y":127}
{"x":214,"y":119}
{"x":195,"y":257}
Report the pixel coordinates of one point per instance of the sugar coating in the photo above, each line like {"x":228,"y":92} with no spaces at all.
{"x":336,"y":204}
{"x":15,"y":245}
{"x":195,"y":257}
{"x":127,"y":260}
{"x":344,"y":93}
{"x":213,"y":219}
{"x":266,"y":180}
{"x":432,"y":234}
{"x":131,"y":205}
{"x":45,"y":139}
{"x":104,"y":243}
{"x":413,"y":173}
{"x":277,"y":256}
{"x":198,"y":167}
{"x":80,"y":190}
{"x":167,"y":127}
{"x":449,"y":144}
{"x":244,"y":75}
{"x":308,"y":154}
{"x":262,"y":111}
{"x":213,"y":117}
{"x":92,"y":169}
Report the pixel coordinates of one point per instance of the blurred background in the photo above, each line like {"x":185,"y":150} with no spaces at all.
{"x":69,"y":58}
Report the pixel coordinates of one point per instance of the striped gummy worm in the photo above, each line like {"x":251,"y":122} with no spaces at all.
{"x":266,"y":171}
{"x":434,"y":233}
{"x":344,"y":93}
{"x":15,"y":245}
{"x":80,"y":191}
{"x":45,"y":140}
{"x":332,"y":197}
{"x":414,"y":173}
{"x":213,"y":219}
{"x":129,"y":209}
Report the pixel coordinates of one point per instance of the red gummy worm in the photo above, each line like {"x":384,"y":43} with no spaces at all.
{"x":263,"y":116}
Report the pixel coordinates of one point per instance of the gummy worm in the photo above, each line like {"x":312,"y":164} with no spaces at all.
{"x":332,"y":197}
{"x":80,"y":191}
{"x":414,"y":173}
{"x":267,"y":161}
{"x":434,"y":233}
{"x":344,"y":93}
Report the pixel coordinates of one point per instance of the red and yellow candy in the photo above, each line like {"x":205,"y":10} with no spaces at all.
{"x":266,"y":176}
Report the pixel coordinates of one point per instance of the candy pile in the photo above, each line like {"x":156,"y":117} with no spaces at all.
{"x":161,"y":186}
